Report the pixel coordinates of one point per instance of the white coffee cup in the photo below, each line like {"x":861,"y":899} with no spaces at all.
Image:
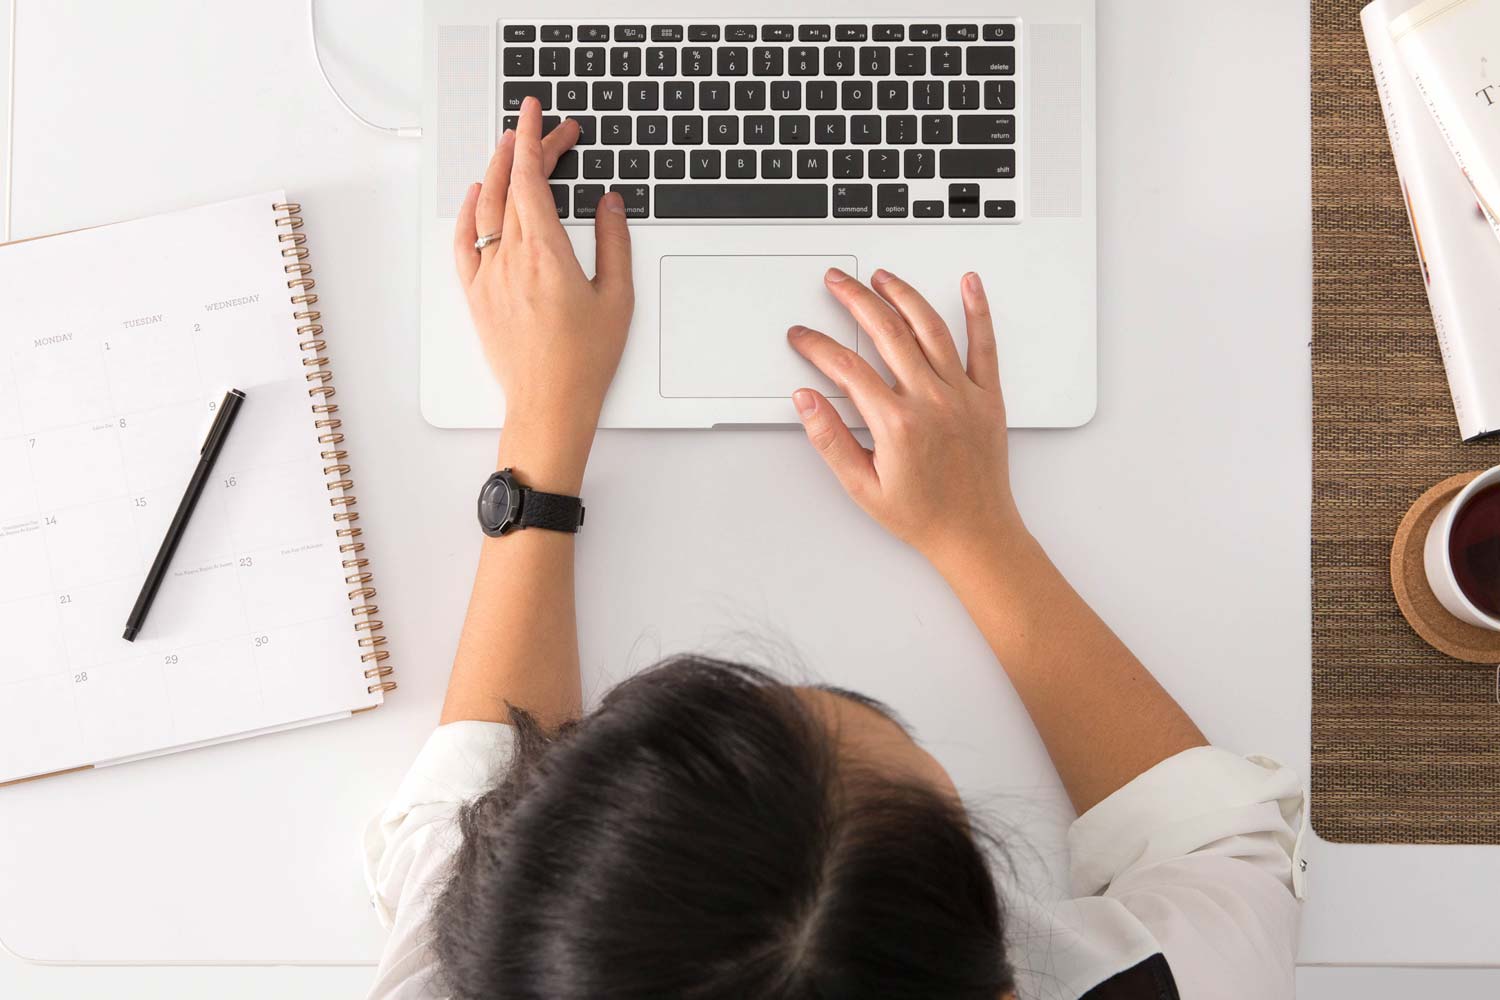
{"x":1437,"y":556}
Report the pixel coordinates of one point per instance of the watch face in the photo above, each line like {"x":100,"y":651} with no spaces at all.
{"x":495,"y":505}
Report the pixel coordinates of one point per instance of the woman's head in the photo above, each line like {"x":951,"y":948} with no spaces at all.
{"x":711,"y":832}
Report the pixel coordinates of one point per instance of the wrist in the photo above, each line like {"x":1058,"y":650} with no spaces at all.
{"x":996,"y":546}
{"x":546,"y":456}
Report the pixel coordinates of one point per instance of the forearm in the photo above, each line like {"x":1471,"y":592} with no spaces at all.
{"x":520,"y":639}
{"x":1102,"y":716}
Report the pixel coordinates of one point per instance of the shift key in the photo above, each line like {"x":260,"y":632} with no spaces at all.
{"x":986,"y":164}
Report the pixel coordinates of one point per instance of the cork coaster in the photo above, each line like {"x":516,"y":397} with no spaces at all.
{"x":1423,"y":612}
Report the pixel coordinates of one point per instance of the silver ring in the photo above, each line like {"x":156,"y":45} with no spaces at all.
{"x":485,"y":241}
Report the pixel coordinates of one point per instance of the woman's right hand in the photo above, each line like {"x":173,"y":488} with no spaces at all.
{"x":938,"y":477}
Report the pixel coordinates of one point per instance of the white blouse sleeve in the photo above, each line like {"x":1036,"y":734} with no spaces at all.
{"x":407,"y":846}
{"x":1204,"y":850}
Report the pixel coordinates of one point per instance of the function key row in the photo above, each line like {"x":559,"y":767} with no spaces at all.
{"x":767,"y":33}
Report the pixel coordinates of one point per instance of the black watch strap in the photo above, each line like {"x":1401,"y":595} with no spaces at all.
{"x":550,"y":511}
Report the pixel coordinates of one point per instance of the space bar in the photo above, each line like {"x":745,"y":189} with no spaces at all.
{"x":741,"y":201}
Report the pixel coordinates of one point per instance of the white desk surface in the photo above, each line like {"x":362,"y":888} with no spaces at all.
{"x":1181,"y":511}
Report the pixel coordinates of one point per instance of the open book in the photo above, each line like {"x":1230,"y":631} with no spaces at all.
{"x":116,"y":344}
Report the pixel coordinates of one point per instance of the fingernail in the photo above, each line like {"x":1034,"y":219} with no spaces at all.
{"x":971,"y":281}
{"x":508,"y":137}
{"x":835,"y":275}
{"x":529,"y":103}
{"x":805,"y":401}
{"x":881,"y":276}
{"x":612,"y":202}
{"x":795,"y":331}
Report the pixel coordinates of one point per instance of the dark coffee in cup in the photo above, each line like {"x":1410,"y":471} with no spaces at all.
{"x":1474,"y":548}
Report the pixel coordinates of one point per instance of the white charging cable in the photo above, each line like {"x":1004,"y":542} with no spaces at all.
{"x":403,"y":131}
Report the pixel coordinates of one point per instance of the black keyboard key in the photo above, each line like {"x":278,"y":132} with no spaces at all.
{"x":901,"y":130}
{"x":637,"y":198}
{"x":852,"y":201}
{"x":891,"y":95}
{"x":937,"y":130}
{"x":630,"y":32}
{"x":697,"y":60}
{"x":885,"y":163}
{"x":987,"y":130}
{"x":864,"y":130}
{"x":635,"y":164}
{"x":723,"y":130}
{"x":739,"y":164}
{"x":859,"y":95}
{"x":713,"y":95}
{"x":999,"y":210}
{"x":520,"y":32}
{"x":793,"y":130}
{"x":644,"y":95}
{"x":589,"y":60}
{"x":567,"y":166}
{"x":671,"y":164}
{"x":926,"y":95}
{"x":513,"y":93}
{"x":926,"y":33}
{"x":519,"y":62}
{"x":550,"y":122}
{"x":812,"y":164}
{"x":703,"y":33}
{"x":661,"y":61}
{"x":999,"y":32}
{"x":829,"y":130}
{"x":990,"y":60}
{"x":687,"y":130}
{"x":776,"y":164}
{"x":786,"y":95}
{"x":703,"y":165}
{"x":875,"y":60}
{"x":739,"y":33}
{"x":777,"y":33}
{"x":963,"y":32}
{"x":911,"y":61}
{"x":888,"y":33}
{"x":598,"y":164}
{"x":769,"y":60}
{"x":760,"y":130}
{"x":848,"y":163}
{"x":963,"y":201}
{"x":734,"y":60}
{"x":850,"y":32}
{"x":615,"y":130}
{"x":609,"y":95}
{"x":742,"y":201}
{"x":557,"y":32}
{"x":554,"y":61}
{"x":677,"y":96}
{"x":890,"y":201}
{"x":586,"y":199}
{"x":918,"y":163}
{"x":593,"y":32}
{"x":977,"y":163}
{"x":625,"y":61}
{"x":651,"y":130}
{"x":510,"y":122}
{"x":814,"y":33}
{"x":588,"y":129}
{"x":927,"y":210}
{"x":838,"y":60}
{"x":947,"y":60}
{"x":822,"y":95}
{"x":963,"y":95}
{"x":750,"y":95}
{"x":666,"y":32}
{"x":1000,"y":95}
{"x":802,"y":60}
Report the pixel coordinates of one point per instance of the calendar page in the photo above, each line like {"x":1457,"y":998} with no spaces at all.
{"x":117,"y":345}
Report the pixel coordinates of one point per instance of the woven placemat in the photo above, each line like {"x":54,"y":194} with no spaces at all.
{"x":1405,"y":741}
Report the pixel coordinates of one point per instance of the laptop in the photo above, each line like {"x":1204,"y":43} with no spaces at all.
{"x":754,"y":149}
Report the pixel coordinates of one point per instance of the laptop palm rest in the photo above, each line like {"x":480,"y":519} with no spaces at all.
{"x":724,"y":321}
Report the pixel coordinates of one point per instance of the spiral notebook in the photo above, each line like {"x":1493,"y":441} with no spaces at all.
{"x":116,"y":345}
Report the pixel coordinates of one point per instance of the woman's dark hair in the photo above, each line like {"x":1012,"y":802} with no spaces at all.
{"x":699,"y":837}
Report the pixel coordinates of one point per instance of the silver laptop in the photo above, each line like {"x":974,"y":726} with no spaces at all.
{"x":754,"y":151}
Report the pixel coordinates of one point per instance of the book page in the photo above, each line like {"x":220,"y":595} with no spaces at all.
{"x":117,"y":345}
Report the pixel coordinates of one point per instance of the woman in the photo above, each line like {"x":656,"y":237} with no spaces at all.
{"x":710,"y":832}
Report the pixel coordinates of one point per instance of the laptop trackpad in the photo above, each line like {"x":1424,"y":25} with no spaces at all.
{"x":724,"y":322}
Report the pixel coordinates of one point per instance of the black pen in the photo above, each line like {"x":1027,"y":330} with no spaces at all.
{"x":212,"y":445}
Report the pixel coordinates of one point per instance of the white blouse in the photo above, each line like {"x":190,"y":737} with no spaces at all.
{"x":1198,"y":859}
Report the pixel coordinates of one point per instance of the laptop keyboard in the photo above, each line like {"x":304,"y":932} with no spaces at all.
{"x":801,"y":121}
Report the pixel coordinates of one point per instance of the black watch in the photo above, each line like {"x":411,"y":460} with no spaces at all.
{"x":505,"y":505}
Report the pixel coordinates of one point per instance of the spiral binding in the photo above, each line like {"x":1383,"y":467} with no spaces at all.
{"x":325,"y":418}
